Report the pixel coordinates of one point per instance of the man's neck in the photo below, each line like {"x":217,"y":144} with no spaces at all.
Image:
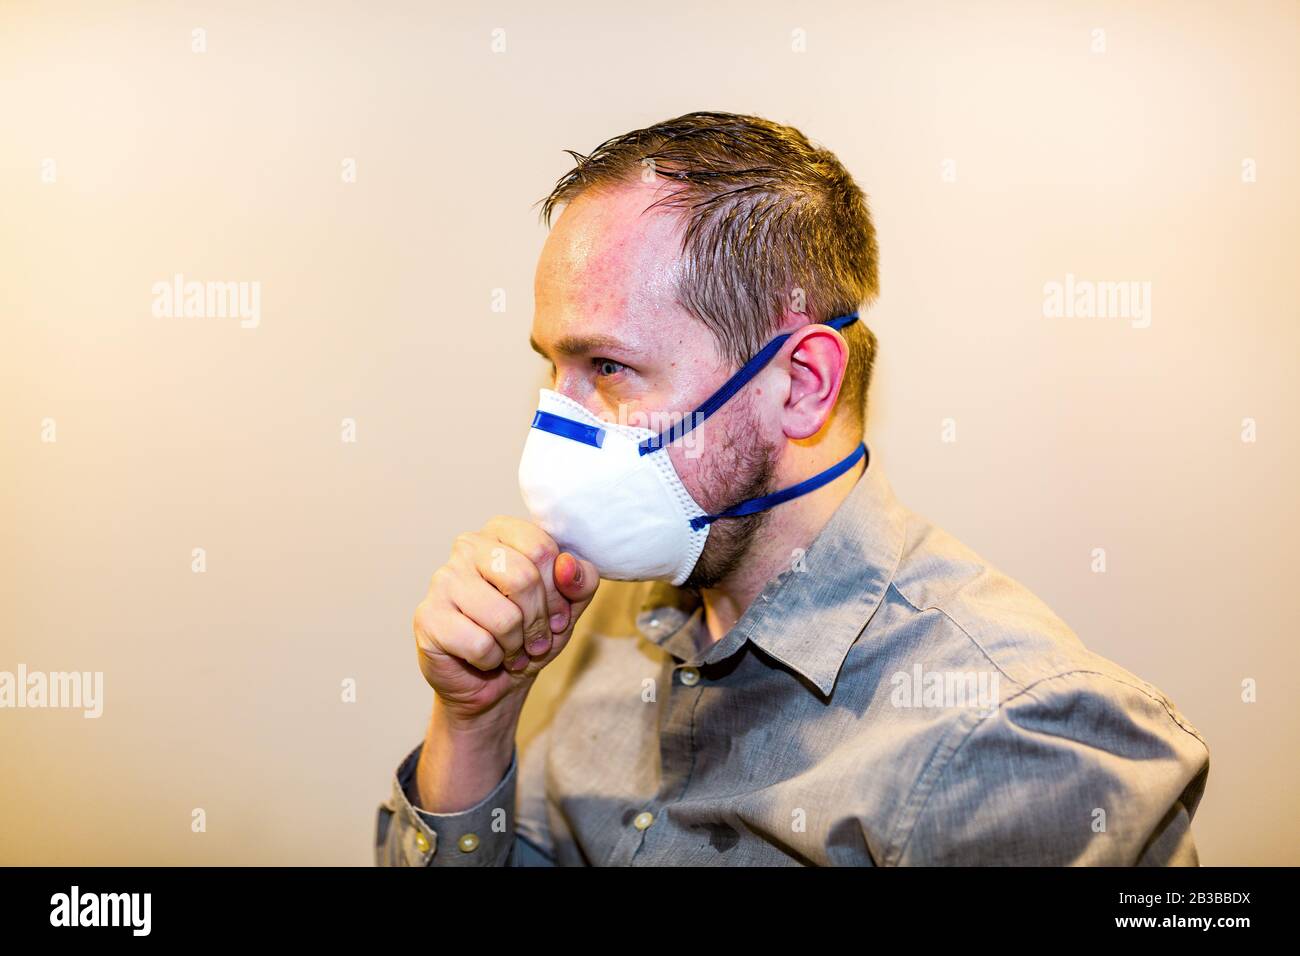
{"x":789,"y":530}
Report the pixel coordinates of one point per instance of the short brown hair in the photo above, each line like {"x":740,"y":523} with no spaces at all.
{"x":771,"y":216}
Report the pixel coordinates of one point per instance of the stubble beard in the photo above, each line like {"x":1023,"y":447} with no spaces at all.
{"x":741,"y":469}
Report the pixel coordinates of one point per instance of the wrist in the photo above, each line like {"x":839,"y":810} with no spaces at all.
{"x":484,"y":731}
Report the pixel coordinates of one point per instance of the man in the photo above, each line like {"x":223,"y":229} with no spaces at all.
{"x":791,"y":667}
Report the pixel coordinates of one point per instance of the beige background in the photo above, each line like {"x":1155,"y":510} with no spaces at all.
{"x":223,"y":688}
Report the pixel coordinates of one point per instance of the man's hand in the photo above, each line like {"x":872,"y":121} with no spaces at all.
{"x":500,"y":609}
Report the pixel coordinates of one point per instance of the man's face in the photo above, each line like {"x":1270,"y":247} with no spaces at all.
{"x":607,"y":320}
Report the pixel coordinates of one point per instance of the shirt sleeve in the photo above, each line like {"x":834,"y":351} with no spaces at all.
{"x":486,"y":834}
{"x":1078,"y":769}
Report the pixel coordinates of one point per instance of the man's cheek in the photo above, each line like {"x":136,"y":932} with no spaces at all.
{"x":699,"y":473}
{"x":623,"y":414}
{"x":693,"y":441}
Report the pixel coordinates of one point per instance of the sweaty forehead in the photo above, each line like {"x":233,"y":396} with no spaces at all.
{"x":608,"y":258}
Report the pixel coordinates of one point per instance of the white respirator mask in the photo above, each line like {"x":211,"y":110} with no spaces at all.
{"x":609,"y":492}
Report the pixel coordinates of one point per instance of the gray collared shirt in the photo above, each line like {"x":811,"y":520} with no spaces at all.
{"x":889,"y":699}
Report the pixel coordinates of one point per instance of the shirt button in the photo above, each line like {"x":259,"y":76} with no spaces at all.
{"x":468,"y":843}
{"x":690,"y":676}
{"x":643,"y":819}
{"x":421,"y":842}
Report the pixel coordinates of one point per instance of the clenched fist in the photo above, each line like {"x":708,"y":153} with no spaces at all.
{"x":501,"y":608}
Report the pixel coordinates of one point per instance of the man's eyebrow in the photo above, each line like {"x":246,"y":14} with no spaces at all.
{"x":580,"y":345}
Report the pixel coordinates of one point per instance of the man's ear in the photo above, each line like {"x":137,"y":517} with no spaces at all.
{"x":818,"y":357}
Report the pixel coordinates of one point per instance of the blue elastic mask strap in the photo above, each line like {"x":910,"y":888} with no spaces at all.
{"x":755,"y":505}
{"x":729,"y":388}
{"x":568,"y":428}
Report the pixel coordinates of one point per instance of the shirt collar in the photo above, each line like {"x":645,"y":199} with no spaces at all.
{"x":808,"y":616}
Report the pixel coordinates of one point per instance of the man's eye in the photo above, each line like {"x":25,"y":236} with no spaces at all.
{"x":606,"y":366}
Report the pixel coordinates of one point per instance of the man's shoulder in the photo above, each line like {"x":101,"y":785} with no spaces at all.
{"x":1065,"y":731}
{"x":982,"y":615}
{"x":989,"y":615}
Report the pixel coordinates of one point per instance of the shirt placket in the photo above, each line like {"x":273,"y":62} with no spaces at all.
{"x":683,"y":680}
{"x":672,"y":630}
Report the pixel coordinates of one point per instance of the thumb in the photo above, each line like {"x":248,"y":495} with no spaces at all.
{"x":575,"y":578}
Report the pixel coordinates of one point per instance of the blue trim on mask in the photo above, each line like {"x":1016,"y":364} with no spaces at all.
{"x":568,"y":428}
{"x":729,"y":388}
{"x":762,"y":503}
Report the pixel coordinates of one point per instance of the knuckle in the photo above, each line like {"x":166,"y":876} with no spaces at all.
{"x":481,"y":650}
{"x":531,"y":541}
{"x":536,"y":630}
{"x":519,"y":576}
{"x":543,"y":553}
{"x":508,"y":619}
{"x":423,"y":621}
{"x":440,"y":580}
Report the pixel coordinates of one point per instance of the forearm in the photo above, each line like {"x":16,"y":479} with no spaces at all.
{"x":459,"y":765}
